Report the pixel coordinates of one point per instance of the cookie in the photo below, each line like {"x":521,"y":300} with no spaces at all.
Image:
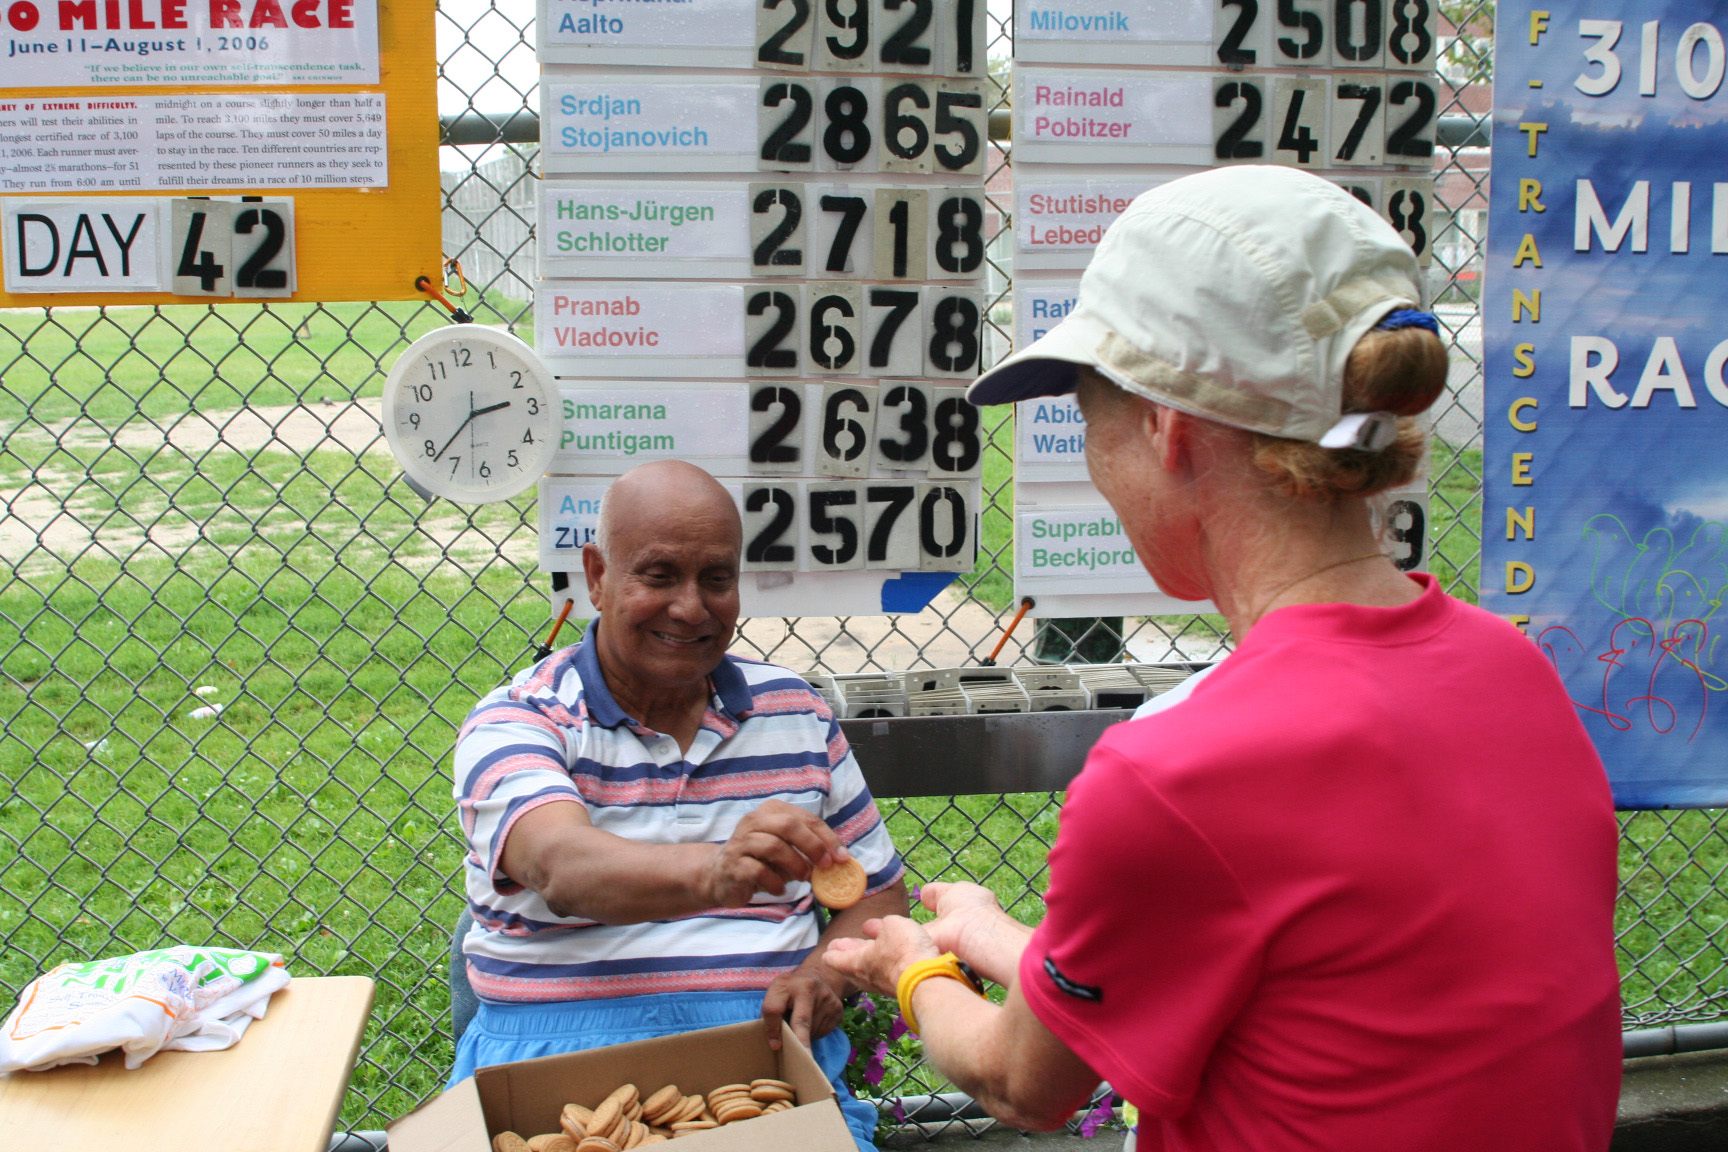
{"x":767,"y":1091}
{"x":656,"y":1107}
{"x":735,"y":1110}
{"x":509,"y":1142}
{"x":608,"y":1116}
{"x":627,"y":1096}
{"x":685,"y":1127}
{"x":552,"y":1142}
{"x":575,"y":1120}
{"x":839,"y":886}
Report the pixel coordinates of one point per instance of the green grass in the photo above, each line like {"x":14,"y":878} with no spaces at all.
{"x":1671,"y":915}
{"x":311,"y":817}
{"x":1455,"y":518}
{"x":116,"y":364}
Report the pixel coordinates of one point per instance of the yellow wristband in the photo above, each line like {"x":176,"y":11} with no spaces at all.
{"x":946,"y":965}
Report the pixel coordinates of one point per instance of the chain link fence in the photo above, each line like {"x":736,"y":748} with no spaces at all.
{"x":235,"y":646}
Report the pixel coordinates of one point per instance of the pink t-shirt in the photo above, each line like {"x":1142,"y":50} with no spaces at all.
{"x":1355,"y":894}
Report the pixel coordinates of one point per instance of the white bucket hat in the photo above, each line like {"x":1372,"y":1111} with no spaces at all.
{"x":1234,"y":294}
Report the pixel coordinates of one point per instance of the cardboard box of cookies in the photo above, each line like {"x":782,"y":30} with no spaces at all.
{"x":717,"y":1090}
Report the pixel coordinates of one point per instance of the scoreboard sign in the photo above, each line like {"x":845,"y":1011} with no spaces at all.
{"x":1114,"y":97}
{"x":766,"y":257}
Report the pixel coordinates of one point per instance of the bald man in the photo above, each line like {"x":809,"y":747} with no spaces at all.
{"x":643,"y":813}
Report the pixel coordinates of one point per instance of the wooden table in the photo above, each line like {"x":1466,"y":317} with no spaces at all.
{"x":278,"y":1090}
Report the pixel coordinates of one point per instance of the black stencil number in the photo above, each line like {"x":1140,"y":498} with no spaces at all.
{"x":765,"y":547}
{"x":771,"y":446}
{"x":773,"y":50}
{"x":783,"y":145}
{"x":1233,"y":142}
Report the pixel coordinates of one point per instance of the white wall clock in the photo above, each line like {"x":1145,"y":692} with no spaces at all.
{"x":471,"y":414}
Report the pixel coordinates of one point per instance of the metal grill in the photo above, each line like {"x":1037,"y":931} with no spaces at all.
{"x":235,"y":646}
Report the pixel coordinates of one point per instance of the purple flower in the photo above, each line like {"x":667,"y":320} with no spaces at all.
{"x":1101,"y":1114}
{"x":866,"y":1005}
{"x":898,"y":1028}
{"x":874,"y":1070}
{"x":899,"y":1111}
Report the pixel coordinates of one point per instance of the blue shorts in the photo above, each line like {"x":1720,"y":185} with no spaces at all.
{"x":504,"y":1033}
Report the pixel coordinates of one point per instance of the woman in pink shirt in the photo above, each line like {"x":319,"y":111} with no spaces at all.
{"x":1356,"y":892}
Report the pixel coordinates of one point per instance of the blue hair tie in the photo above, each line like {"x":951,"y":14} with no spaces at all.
{"x":1408,"y":318}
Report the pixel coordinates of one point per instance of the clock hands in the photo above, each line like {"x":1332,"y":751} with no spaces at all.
{"x":472,"y":413}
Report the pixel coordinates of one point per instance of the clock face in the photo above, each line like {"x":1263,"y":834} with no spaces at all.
{"x":471,"y":413}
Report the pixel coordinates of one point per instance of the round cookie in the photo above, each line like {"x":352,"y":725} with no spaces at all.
{"x":732,"y":1110}
{"x":839,"y":886}
{"x":608,"y":1115}
{"x":574,"y":1119}
{"x":683,"y":1126}
{"x":654,"y":1108}
{"x":767,"y":1090}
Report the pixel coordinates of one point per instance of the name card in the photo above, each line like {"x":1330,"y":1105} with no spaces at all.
{"x":569,"y":514}
{"x":629,"y":123}
{"x":629,"y":228}
{"x":1039,"y":305}
{"x":1058,"y":221}
{"x":632,"y":330}
{"x":1068,"y":544}
{"x":703,"y":33}
{"x":1050,"y":439}
{"x":611,"y":427}
{"x":1071,"y":115}
{"x":1115,"y":31}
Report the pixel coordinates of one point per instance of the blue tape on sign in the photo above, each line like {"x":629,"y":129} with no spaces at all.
{"x":913,"y":591}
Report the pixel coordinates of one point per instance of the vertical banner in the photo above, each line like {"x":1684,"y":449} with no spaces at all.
{"x":1605,"y":514}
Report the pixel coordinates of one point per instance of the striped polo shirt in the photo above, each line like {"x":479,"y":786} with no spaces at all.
{"x":555,"y":735}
